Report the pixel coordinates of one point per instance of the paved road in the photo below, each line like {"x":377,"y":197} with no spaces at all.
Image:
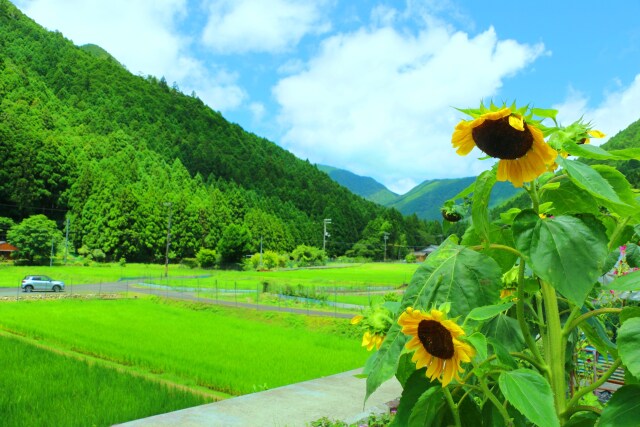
{"x":117,"y":287}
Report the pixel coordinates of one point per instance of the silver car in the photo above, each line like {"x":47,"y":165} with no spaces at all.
{"x":41,"y":283}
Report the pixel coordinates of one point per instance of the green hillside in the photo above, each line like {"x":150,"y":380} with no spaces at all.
{"x":627,"y":138}
{"x":426,"y":199}
{"x":116,"y":153}
{"x":364,"y":186}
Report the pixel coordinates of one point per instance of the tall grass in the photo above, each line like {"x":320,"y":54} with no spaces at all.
{"x":229,"y":350}
{"x":40,"y":388}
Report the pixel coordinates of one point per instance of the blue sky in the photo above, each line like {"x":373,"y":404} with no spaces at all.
{"x":368,"y":85}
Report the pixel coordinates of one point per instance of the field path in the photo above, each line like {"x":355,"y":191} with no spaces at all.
{"x":126,"y":287}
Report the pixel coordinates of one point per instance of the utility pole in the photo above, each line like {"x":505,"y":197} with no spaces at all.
{"x":51,"y":258}
{"x":325,"y":234}
{"x":66,"y":242}
{"x":260,"y":251}
{"x":386,"y":236}
{"x":166,"y":256}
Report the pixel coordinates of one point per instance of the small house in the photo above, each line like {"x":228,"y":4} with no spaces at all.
{"x":6,"y":249}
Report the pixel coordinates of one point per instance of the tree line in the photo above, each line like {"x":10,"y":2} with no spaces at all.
{"x":121,"y":155}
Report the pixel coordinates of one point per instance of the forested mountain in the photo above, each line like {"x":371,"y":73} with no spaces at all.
{"x":118,"y":154}
{"x":364,"y":186}
{"x":424,"y":200}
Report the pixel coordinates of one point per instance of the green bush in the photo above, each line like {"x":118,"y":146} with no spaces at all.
{"x":207,"y":258}
{"x":190,"y":262}
{"x":305,"y":256}
{"x":410,"y":258}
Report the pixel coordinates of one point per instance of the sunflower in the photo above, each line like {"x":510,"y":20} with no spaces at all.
{"x":436,"y":342}
{"x":375,"y":324}
{"x":520,"y":146}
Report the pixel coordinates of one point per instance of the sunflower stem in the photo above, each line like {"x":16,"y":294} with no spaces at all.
{"x":616,"y":233}
{"x":531,"y":343}
{"x":554,"y":352}
{"x":571,"y":324}
{"x":453,"y":406}
{"x":508,"y":421}
{"x":594,"y":385}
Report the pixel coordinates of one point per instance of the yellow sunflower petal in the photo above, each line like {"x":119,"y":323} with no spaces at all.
{"x":448,"y":372}
{"x":516,"y":122}
{"x":356,"y":319}
{"x":596,"y":133}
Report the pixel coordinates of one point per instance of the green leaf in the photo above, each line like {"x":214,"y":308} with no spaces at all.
{"x":563,"y":251}
{"x":633,"y":255}
{"x":452,"y":273}
{"x":480,"y":207}
{"x":497,"y":234}
{"x":622,"y":409}
{"x":585,"y":177}
{"x":530,"y":394}
{"x":610,"y":262}
{"x":621,"y":186}
{"x":628,"y":282}
{"x":414,"y":388}
{"x":503,"y":354}
{"x":627,"y":153}
{"x":479,"y":342}
{"x":568,"y":198}
{"x":596,"y":333}
{"x":629,"y":345}
{"x":583,"y":419}
{"x":489,"y":311}
{"x":406,"y":368}
{"x":628,"y":312}
{"x":505,"y":330}
{"x":549,"y":113}
{"x":429,"y":409}
{"x":588,"y":151}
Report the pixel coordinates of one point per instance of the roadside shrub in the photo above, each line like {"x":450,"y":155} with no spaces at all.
{"x":410,"y":258}
{"x":98,"y":255}
{"x":305,"y":256}
{"x":207,"y":258}
{"x":190,"y":262}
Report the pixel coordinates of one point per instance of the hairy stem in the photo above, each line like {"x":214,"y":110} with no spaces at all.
{"x":594,"y":385}
{"x":569,"y":326}
{"x":453,"y":406}
{"x":555,"y":350}
{"x":531,"y":343}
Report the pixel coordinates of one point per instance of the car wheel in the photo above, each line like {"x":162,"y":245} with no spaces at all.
{"x":56,"y":288}
{"x":28,"y":288}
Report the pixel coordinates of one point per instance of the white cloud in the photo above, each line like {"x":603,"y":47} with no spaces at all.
{"x":381,"y":98}
{"x":142,"y":35}
{"x":237,"y":26}
{"x":617,"y":110}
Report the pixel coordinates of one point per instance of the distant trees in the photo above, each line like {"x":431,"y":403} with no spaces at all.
{"x":36,"y":237}
{"x":83,"y":137}
{"x":235,"y":243}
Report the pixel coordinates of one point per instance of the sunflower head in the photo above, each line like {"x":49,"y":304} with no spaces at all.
{"x":509,"y":134}
{"x":436,"y":342}
{"x":374,"y":322}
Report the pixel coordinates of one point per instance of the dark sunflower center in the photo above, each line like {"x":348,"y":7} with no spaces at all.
{"x":499,"y":139}
{"x":436,"y":339}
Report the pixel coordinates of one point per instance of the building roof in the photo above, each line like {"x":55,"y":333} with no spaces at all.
{"x":7,"y":247}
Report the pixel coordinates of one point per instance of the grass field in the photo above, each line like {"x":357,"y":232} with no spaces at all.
{"x":230,"y":350}
{"x":40,"y":388}
{"x":356,"y":275}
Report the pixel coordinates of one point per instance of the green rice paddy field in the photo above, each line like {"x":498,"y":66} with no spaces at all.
{"x":232,"y":351}
{"x":41,"y":388}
